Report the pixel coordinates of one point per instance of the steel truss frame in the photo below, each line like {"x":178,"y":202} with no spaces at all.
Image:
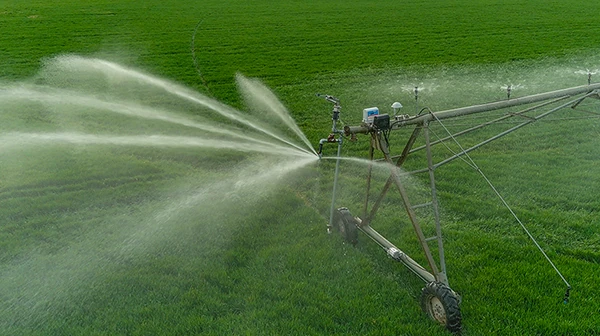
{"x":436,"y":271}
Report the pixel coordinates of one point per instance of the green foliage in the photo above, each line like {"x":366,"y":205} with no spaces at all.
{"x":101,"y":240}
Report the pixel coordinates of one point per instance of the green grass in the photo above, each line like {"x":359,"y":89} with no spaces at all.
{"x":99,"y":240}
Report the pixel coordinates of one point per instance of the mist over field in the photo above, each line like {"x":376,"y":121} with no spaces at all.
{"x":159,"y":173}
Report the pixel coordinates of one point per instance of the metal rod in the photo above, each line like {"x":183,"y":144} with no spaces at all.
{"x":474,"y":128}
{"x":510,"y":130}
{"x":366,"y":205}
{"x":442,"y":275}
{"x":397,"y":254}
{"x":401,"y":159}
{"x":335,"y":116}
{"x":409,"y":210}
{"x":335,"y":182}
{"x":474,"y":165}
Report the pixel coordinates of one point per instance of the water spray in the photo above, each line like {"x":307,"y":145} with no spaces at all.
{"x":589,"y":74}
{"x":416,"y":92}
{"x":101,"y":98}
{"x":510,"y":88}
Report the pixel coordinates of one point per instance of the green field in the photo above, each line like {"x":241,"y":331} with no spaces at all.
{"x":121,"y":239}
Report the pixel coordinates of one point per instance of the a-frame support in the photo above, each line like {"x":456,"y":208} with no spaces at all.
{"x":378,"y":143}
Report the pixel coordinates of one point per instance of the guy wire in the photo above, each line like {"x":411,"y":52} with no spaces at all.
{"x":474,"y":165}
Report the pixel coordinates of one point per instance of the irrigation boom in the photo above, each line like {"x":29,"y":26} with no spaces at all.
{"x":438,"y":300}
{"x":457,"y":112}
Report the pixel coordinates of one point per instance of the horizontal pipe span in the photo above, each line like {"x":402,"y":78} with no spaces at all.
{"x":483,"y":107}
{"x":487,"y":123}
{"x":504,"y":104}
{"x":398,"y":255}
{"x":508,"y":131}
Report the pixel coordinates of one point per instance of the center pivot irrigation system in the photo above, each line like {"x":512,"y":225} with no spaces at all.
{"x":438,"y":300}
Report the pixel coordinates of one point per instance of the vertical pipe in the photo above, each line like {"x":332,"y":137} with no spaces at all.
{"x":335,"y":115}
{"x":335,"y":181}
{"x":416,"y":100}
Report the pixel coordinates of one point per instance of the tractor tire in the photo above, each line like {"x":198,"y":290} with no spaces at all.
{"x":441,"y":304}
{"x":345,"y":224}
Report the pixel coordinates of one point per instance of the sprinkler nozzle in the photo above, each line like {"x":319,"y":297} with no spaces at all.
{"x":329,"y":98}
{"x":330,"y":138}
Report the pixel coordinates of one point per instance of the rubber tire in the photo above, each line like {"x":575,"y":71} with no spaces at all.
{"x":345,"y":224}
{"x":441,"y":304}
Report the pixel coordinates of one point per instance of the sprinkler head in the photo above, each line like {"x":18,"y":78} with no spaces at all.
{"x":329,"y":98}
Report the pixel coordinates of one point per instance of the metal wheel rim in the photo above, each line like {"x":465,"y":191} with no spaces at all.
{"x":436,"y":310}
